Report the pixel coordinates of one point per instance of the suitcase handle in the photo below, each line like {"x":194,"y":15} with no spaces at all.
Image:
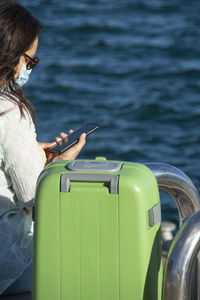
{"x":113,"y":180}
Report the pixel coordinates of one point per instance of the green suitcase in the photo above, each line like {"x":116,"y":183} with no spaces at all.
{"x":97,"y":232}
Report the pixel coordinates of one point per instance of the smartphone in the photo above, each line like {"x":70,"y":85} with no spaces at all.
{"x":73,"y":138}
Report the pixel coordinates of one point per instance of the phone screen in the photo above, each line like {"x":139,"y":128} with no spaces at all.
{"x":73,"y":138}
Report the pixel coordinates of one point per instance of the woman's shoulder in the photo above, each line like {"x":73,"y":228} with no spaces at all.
{"x":9,"y":109}
{"x":6,"y":103}
{"x":11,"y":118}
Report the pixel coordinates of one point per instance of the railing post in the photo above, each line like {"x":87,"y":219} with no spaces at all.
{"x":183,"y":253}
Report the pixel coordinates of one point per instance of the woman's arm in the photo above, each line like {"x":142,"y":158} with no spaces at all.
{"x":22,"y":160}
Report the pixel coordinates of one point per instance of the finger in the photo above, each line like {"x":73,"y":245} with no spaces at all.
{"x":71,"y":131}
{"x":45,"y":145}
{"x":83,"y":137}
{"x":59,"y":141}
{"x":52,"y":145}
{"x":81,"y":142}
{"x":64,"y":136}
{"x":73,"y":152}
{"x":48,"y":145}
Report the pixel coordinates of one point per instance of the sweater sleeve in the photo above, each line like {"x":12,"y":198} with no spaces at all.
{"x":22,"y":160}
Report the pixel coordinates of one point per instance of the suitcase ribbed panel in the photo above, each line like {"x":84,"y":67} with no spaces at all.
{"x":89,"y":244}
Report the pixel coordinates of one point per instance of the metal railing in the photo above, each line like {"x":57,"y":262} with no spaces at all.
{"x":186,"y":245}
{"x":181,"y":260}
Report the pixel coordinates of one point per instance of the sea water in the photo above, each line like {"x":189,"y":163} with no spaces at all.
{"x":134,"y":67}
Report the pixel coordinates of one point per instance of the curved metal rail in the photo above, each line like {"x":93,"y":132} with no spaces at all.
{"x":179,"y":186}
{"x":186,"y":245}
{"x":178,"y":270}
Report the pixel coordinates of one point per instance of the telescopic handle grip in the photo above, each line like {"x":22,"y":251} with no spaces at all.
{"x":66,"y":178}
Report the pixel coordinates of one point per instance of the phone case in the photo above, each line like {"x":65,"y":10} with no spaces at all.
{"x":87,"y":128}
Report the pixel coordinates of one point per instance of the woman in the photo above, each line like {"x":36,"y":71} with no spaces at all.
{"x":20,"y":155}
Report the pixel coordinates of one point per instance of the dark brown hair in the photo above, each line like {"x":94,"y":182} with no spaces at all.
{"x":18,"y":31}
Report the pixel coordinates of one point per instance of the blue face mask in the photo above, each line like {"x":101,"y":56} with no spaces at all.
{"x":23,"y":75}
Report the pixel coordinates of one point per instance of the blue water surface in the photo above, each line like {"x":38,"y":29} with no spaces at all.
{"x":133,"y":66}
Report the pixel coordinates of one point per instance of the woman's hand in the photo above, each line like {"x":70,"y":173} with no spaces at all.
{"x":73,"y":151}
{"x":69,"y":154}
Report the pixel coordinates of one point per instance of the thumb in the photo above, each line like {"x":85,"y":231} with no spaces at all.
{"x":82,"y":140}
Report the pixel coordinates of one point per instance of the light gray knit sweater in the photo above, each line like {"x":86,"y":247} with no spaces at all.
{"x":20,"y":166}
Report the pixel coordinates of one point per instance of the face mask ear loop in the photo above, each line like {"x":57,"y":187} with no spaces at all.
{"x":21,"y":62}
